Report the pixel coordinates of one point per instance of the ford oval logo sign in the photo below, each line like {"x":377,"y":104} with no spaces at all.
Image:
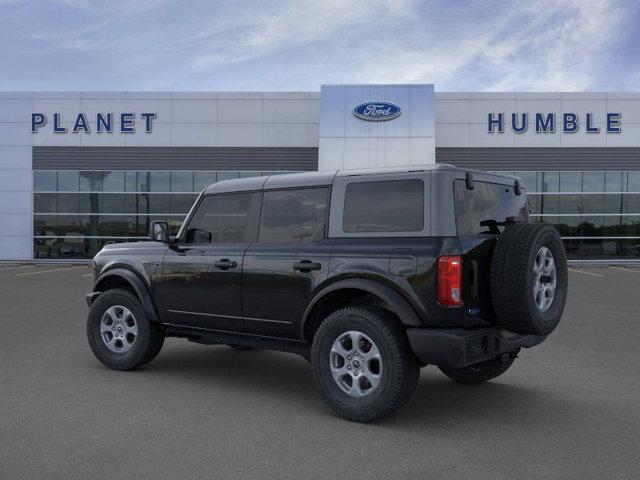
{"x":377,"y":111}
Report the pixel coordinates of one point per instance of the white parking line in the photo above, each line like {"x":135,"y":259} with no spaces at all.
{"x":632,"y":270}
{"x":14,"y":268}
{"x":88,"y":275}
{"x":587,"y":273}
{"x":49,"y":271}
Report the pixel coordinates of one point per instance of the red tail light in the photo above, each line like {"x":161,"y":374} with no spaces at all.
{"x":449,"y":281}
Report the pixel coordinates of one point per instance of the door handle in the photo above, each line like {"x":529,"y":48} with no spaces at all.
{"x":306,"y":266}
{"x":225,"y":264}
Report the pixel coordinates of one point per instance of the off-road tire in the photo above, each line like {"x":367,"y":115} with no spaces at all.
{"x":512,"y":278}
{"x":150,"y":334}
{"x":399,"y":373}
{"x":480,"y":372}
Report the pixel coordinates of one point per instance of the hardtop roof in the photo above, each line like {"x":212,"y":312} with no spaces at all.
{"x":312,"y":179}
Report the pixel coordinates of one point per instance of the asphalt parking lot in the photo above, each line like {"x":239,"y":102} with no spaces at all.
{"x":567,"y":409}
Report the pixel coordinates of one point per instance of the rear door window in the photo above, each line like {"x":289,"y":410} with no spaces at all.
{"x":297,"y":215}
{"x":384,"y":206}
{"x":486,"y":208}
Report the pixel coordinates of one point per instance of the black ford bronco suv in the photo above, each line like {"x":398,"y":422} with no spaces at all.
{"x":370,"y":275}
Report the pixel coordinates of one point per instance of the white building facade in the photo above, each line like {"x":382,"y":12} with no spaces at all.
{"x":78,"y":169}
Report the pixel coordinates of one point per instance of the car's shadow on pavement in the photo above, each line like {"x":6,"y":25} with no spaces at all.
{"x":438,"y":402}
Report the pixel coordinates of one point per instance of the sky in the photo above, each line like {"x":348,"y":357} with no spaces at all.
{"x":185,"y":45}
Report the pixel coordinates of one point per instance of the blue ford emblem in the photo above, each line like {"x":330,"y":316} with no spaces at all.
{"x":377,"y":111}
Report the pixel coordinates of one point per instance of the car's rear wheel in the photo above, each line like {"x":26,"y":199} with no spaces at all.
{"x":119,"y":332}
{"x":481,"y":372}
{"x":363,"y":364}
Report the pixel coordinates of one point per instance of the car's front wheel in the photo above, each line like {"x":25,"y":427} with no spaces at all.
{"x":363,"y":364}
{"x":120,"y":334}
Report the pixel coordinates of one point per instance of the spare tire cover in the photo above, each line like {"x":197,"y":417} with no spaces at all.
{"x":528,"y":278}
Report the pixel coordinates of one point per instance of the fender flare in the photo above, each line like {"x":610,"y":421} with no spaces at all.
{"x":137,"y":284}
{"x":396,"y":302}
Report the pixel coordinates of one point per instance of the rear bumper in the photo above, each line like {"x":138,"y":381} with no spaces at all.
{"x":457,"y":347}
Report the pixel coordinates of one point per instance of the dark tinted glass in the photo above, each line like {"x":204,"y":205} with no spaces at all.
{"x":45,"y":181}
{"x":182,"y":181}
{"x":91,"y":181}
{"x":293,"y":215}
{"x":387,"y":206}
{"x":202,"y":180}
{"x":159,"y":182}
{"x":613,"y":182}
{"x":221,"y":219}
{"x":482,"y":209}
{"x":549,"y":181}
{"x":593,"y":182}
{"x":633,"y":182}
{"x":530,"y":180}
{"x":68,"y":181}
{"x":571,"y":182}
{"x":113,"y":181}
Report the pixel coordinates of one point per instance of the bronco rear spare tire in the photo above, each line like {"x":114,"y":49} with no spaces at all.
{"x":529,"y":278}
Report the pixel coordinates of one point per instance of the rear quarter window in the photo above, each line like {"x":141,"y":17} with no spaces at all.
{"x":483,"y":209}
{"x":384,"y":206}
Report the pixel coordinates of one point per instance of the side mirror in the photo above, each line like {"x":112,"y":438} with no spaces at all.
{"x":160,"y":232}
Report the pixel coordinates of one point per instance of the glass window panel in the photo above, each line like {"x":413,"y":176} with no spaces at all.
{"x":134,"y":181}
{"x":613,"y":226}
{"x":583,"y":249}
{"x":68,"y":181}
{"x":90,"y":203}
{"x":113,"y":181}
{"x":202,"y":180}
{"x":293,"y":215}
{"x":613,"y":203}
{"x":387,"y":206}
{"x":159,"y":203}
{"x":570,"y":203}
{"x":112,"y":203}
{"x":630,"y":226}
{"x":571,"y":181}
{"x":550,"y":203}
{"x":181,"y":203}
{"x":549,"y":182}
{"x":592,"y":226}
{"x":627,"y":248}
{"x":136,"y":203}
{"x":159,"y":182}
{"x":592,"y":181}
{"x":530,"y":180}
{"x":631,"y":203}
{"x":633,"y":181}
{"x":45,"y":225}
{"x":68,"y":202}
{"x":613,"y":182}
{"x":222,"y":219}
{"x":592,"y":203}
{"x":91,"y":181}
{"x":566,"y":226}
{"x":45,"y":203}
{"x":45,"y":180}
{"x":182,"y":181}
{"x":112,"y":225}
{"x":228,"y":175}
{"x":249,"y":174}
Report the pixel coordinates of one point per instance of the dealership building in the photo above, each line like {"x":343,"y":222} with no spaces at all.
{"x":80,"y":169}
